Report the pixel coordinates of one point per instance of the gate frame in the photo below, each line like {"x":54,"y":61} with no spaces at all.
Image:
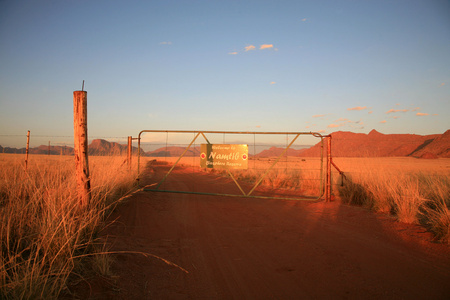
{"x":325,"y":188}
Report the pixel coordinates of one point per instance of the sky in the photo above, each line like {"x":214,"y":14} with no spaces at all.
{"x":297,"y":66}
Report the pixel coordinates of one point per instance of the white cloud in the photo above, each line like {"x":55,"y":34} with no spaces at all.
{"x":265,"y":46}
{"x":249,"y":47}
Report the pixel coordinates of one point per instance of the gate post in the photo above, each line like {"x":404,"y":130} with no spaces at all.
{"x":81,"y":146}
{"x":130,"y":149}
{"x":27,"y":150}
{"x":328,"y":180}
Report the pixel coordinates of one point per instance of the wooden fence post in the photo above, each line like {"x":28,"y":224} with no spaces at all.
{"x":81,"y":146}
{"x":328,"y":187}
{"x":27,"y":150}
{"x":130,"y":149}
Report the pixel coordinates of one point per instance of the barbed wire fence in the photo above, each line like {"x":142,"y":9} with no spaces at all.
{"x":50,"y":144}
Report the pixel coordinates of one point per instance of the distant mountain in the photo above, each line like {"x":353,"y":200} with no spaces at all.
{"x":344,"y":144}
{"x":53,"y":150}
{"x":376,"y":144}
{"x":97,"y":147}
{"x":11,"y":150}
{"x":104,"y":147}
{"x":43,"y":149}
{"x":276,"y":151}
{"x":173,"y":151}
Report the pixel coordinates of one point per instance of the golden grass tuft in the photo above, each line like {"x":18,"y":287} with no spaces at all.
{"x":414,"y":197}
{"x":44,"y":233}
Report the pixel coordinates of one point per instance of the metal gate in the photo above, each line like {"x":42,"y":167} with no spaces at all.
{"x":213,"y":155}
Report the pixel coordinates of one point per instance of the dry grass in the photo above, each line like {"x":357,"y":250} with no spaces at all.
{"x":415,"y":191}
{"x":45,"y":235}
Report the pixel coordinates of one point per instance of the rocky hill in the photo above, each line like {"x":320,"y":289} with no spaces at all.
{"x":97,"y":147}
{"x":43,"y":149}
{"x":53,"y":150}
{"x":276,"y":151}
{"x":376,"y":144}
{"x":173,"y":151}
{"x":104,"y":147}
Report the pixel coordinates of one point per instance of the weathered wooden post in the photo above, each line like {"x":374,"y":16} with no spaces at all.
{"x":328,"y":187}
{"x":48,"y":153}
{"x":81,"y":146}
{"x":130,"y":149}
{"x":27,"y":150}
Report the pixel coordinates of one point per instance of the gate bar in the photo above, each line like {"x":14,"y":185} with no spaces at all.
{"x":237,"y":183}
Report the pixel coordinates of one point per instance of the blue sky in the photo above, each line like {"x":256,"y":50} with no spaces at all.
{"x":321,"y":66}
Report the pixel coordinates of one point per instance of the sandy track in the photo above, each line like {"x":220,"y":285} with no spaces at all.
{"x":235,"y":248}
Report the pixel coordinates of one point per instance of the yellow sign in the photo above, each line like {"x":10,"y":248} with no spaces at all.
{"x":224,"y":156}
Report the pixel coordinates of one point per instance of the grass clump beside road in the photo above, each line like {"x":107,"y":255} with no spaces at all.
{"x":45,"y":234}
{"x":416,"y":198}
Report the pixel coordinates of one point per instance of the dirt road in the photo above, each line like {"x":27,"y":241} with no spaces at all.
{"x":235,"y":248}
